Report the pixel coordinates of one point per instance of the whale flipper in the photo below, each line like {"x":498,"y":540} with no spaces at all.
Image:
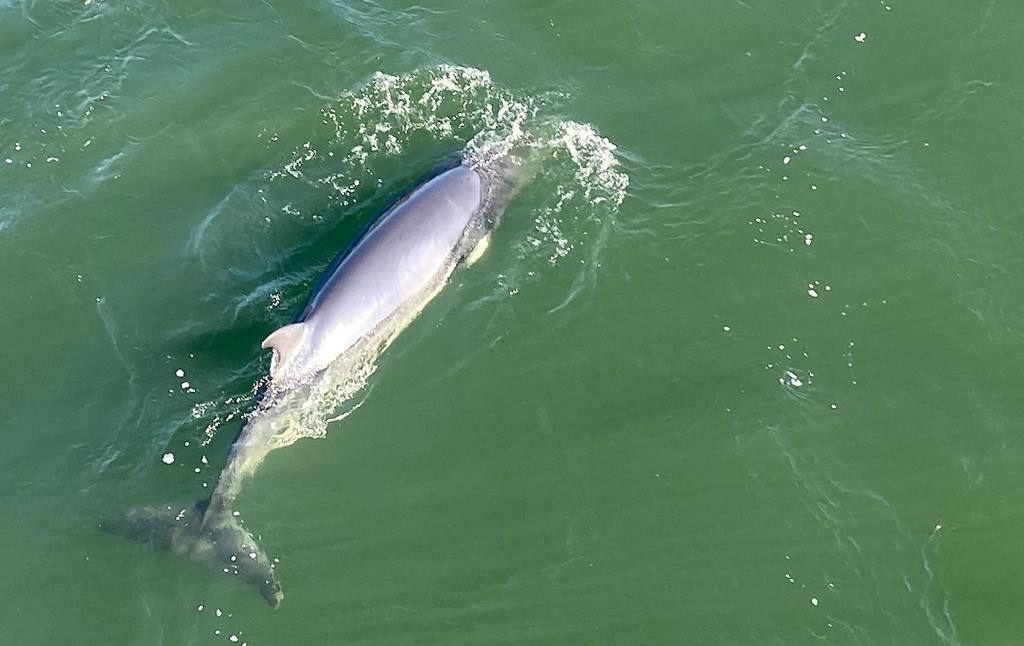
{"x":478,"y":250}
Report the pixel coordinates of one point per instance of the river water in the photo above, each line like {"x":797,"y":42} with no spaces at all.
{"x":742,"y":365}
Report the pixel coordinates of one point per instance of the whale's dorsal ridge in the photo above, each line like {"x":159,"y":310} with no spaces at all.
{"x":285,"y":341}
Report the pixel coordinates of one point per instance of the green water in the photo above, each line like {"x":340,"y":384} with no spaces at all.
{"x":741,"y":366}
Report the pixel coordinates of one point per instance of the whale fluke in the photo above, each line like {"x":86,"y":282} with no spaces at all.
{"x":205,"y":533}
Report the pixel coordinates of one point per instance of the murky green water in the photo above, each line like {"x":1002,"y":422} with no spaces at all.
{"x":741,"y":366}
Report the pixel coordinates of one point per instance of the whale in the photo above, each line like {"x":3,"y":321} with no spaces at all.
{"x":366,"y":296}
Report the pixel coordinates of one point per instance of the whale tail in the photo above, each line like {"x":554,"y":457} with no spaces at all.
{"x":206,"y":533}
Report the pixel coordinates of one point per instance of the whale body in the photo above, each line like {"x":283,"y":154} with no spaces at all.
{"x":410,"y":249}
{"x":365,"y":298}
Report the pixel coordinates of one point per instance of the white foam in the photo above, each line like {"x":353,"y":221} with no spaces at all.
{"x":462,"y":106}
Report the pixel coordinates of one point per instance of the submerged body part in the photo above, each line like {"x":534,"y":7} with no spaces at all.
{"x":365,"y":298}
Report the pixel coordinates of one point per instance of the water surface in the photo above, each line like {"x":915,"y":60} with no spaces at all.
{"x":742,"y":365}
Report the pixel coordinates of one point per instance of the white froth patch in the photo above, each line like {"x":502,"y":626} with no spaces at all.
{"x":597,"y":169}
{"x":168,"y":458}
{"x":179,"y":373}
{"x":449,"y":104}
{"x":440,"y":101}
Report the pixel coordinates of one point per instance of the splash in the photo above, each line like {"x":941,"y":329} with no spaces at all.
{"x":461,"y":109}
